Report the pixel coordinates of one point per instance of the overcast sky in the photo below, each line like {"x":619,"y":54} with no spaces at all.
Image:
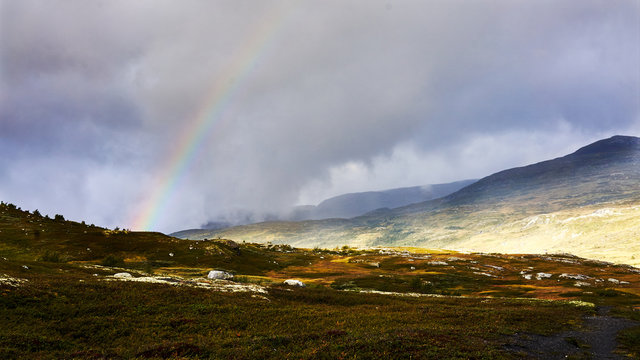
{"x":303,"y":99}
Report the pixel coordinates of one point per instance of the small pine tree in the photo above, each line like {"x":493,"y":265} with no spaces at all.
{"x":37,"y":213}
{"x":59,"y":217}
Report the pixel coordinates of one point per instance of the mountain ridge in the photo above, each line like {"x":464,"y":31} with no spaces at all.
{"x":348,"y":205}
{"x":492,"y":214}
{"x":359,"y":203}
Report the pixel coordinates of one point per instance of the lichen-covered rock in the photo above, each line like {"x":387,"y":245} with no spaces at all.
{"x":541,"y":275}
{"x":219,"y":275}
{"x":292,"y":282}
{"x":230,"y":244}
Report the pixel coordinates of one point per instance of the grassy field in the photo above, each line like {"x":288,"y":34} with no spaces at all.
{"x":60,"y":297}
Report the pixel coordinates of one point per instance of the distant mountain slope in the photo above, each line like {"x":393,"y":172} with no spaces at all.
{"x":606,"y":170}
{"x":356,"y":204}
{"x":586,"y":203}
{"x":346,"y":206}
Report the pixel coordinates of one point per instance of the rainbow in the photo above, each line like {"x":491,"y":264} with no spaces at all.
{"x":190,"y":144}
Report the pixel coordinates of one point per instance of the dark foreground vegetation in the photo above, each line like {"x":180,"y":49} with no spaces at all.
{"x":66,"y":314}
{"x":60,"y":297}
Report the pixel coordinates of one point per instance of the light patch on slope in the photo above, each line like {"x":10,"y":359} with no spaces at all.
{"x":11,"y":281}
{"x":217,"y":285}
{"x":606,"y":212}
{"x":609,"y":233}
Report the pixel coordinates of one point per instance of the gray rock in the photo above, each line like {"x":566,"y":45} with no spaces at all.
{"x":219,"y":275}
{"x":292,"y":282}
{"x":541,"y":275}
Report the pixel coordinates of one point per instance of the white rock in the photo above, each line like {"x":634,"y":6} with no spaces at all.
{"x":219,"y":275}
{"x":413,"y":268}
{"x":612,"y":280}
{"x":527,"y":276}
{"x":575,"y":276}
{"x":483,"y":273}
{"x":171,"y":254}
{"x":499,"y":268}
{"x":437,"y":263}
{"x":541,"y":275}
{"x":581,"y":284}
{"x":292,"y":282}
{"x":122,"y":275}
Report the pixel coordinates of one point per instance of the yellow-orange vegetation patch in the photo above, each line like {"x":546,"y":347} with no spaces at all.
{"x":136,"y":258}
{"x":549,"y":292}
{"x":420,"y":250}
{"x":634,"y":291}
{"x":340,"y":269}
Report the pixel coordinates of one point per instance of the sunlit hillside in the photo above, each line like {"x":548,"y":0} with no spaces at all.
{"x":585,"y":203}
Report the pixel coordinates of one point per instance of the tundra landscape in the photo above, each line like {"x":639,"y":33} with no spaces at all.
{"x":72,"y":290}
{"x":336,"y":179}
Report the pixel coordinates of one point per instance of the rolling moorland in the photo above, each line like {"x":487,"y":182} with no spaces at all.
{"x":586,"y":203}
{"x":76,"y":291}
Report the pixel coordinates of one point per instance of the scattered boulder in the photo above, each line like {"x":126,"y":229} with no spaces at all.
{"x":541,"y":275}
{"x":292,"y":282}
{"x":575,"y":276}
{"x":499,"y":268}
{"x":374,"y":264}
{"x":483,"y":274}
{"x":527,"y":276}
{"x":230,"y":244}
{"x":438,"y":263}
{"x":122,"y":275}
{"x":219,"y":275}
{"x":616,"y":281}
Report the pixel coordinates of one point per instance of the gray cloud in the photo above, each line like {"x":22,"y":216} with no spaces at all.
{"x":343,"y":96}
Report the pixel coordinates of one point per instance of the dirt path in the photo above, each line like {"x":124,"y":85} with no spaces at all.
{"x":596,"y":340}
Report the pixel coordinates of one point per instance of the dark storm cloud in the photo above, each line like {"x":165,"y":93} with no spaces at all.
{"x":343,"y":96}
